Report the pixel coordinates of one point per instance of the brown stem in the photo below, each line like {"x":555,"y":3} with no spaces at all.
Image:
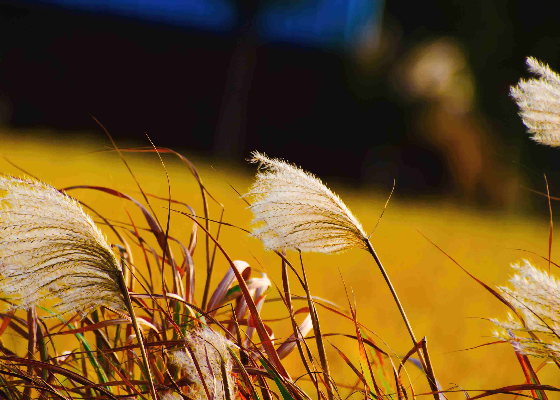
{"x":318,"y":335}
{"x":139,"y":336}
{"x":431,"y":379}
{"x":295,"y":327}
{"x":31,"y":345}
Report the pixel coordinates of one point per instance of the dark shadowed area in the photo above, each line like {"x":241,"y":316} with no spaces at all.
{"x":363,"y":91}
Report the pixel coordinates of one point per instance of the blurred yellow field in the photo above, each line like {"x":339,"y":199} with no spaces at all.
{"x":442,"y":302}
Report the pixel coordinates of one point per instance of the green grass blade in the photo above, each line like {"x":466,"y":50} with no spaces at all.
{"x":101,"y":375}
{"x":283,"y":390}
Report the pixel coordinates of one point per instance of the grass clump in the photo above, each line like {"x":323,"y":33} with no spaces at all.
{"x":143,"y":330}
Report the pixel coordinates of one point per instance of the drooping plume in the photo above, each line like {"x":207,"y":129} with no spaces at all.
{"x":210,"y":350}
{"x":295,"y":210}
{"x":539,"y":103}
{"x":536,"y":296}
{"x":51,"y":249}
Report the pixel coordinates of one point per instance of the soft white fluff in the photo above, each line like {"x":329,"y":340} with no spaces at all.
{"x":536,"y":295}
{"x":170,"y":396}
{"x":539,"y":103}
{"x":295,"y":210}
{"x":210,"y":349}
{"x":49,"y":248}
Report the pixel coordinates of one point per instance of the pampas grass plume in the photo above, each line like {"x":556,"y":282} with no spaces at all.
{"x":539,"y":103}
{"x":536,"y":295}
{"x":49,"y":248}
{"x":295,"y":210}
{"x":210,"y":349}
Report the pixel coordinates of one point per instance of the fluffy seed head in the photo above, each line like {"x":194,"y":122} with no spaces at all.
{"x":295,"y":210}
{"x":171,"y":396}
{"x":210,"y":349}
{"x":536,"y":296}
{"x":539,"y":103}
{"x":49,"y":248}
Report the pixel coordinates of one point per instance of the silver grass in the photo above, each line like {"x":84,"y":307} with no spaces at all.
{"x":210,"y":350}
{"x":293,"y":209}
{"x":171,"y":396}
{"x":536,"y":296}
{"x":51,"y":249}
{"x":539,"y":103}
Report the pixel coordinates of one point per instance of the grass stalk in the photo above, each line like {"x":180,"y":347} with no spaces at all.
{"x":128,"y":302}
{"x":31,"y":345}
{"x":318,"y":335}
{"x":288,"y":301}
{"x":431,"y":379}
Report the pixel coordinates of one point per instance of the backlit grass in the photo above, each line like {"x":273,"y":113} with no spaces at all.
{"x":442,"y":302}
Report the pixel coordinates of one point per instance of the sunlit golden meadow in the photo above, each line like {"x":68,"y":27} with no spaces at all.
{"x":442,"y":302}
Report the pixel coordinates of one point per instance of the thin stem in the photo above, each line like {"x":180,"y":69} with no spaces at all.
{"x":393,"y":292}
{"x":209,"y":265}
{"x":295,"y":327}
{"x":139,"y":336}
{"x":318,"y":335}
{"x":431,"y":379}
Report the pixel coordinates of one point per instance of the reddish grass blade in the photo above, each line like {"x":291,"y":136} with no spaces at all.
{"x":150,"y":218}
{"x":224,"y":285}
{"x":434,"y":384}
{"x":188,"y":262}
{"x":204,"y":192}
{"x":141,"y":243}
{"x":492,"y":291}
{"x":13,"y":324}
{"x":6,"y":322}
{"x":57,"y":370}
{"x":525,"y":369}
{"x":31,"y":344}
{"x":287,"y":299}
{"x":364,"y":360}
{"x":530,"y":374}
{"x":193,"y":240}
{"x":384,"y":208}
{"x":290,"y":344}
{"x":125,"y":381}
{"x":405,"y":359}
{"x":488,"y":288}
{"x":551,"y":224}
{"x":19,"y":168}
{"x":514,"y":388}
{"x":263,"y":334}
{"x":380,"y":359}
{"x":244,"y":374}
{"x":327,"y":380}
{"x":43,"y":385}
{"x":480,"y":345}
{"x":539,"y":255}
{"x":349,"y":363}
{"x":95,"y":326}
{"x":261,"y":286}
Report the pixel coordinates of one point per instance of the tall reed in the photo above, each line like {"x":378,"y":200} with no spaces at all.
{"x":293,"y":209}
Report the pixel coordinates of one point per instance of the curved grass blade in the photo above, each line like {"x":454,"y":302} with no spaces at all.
{"x":283,"y":390}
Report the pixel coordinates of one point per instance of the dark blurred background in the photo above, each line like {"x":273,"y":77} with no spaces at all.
{"x":361,"y":90}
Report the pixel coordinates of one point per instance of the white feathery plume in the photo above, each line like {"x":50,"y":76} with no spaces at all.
{"x":539,"y":103}
{"x":49,"y":248}
{"x":210,"y":349}
{"x":171,"y":396}
{"x":297,"y":211}
{"x":536,"y":296}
